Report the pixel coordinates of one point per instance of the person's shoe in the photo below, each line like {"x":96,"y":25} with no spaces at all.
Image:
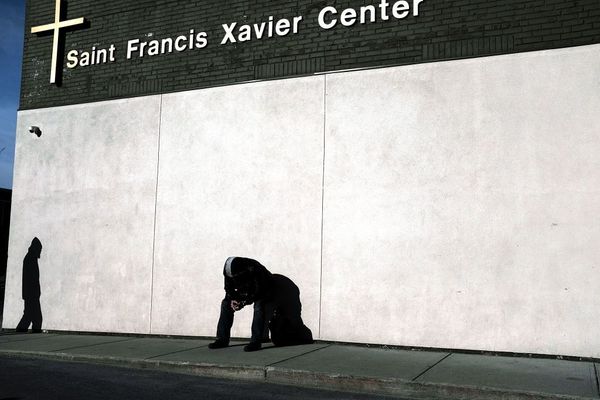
{"x":218,"y":344}
{"x":252,"y":346}
{"x":36,"y":331}
{"x":21,"y":330}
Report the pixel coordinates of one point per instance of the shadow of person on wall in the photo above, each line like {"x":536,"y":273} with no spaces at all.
{"x":284,"y":310}
{"x":31,"y":289}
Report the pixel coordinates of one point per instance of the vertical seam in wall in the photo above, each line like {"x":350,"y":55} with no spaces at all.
{"x":322,"y":197}
{"x":155,"y":207}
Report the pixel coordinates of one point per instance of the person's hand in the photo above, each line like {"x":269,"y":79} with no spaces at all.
{"x":236,"y":305}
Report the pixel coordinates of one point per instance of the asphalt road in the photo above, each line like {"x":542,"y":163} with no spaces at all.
{"x":43,"y":379}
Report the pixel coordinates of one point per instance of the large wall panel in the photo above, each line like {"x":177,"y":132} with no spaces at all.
{"x":240,"y":175}
{"x":86,"y":189}
{"x":461,"y":204}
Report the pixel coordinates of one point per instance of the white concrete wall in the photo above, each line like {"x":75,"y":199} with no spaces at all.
{"x":86,"y":189}
{"x":462,"y":202}
{"x":240,"y":174}
{"x":459,"y":209}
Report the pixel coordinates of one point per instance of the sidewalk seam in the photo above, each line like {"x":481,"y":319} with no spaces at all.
{"x":596,"y":377}
{"x":175,"y":352}
{"x":430,"y":368}
{"x":290,"y":358}
{"x":90,"y":345}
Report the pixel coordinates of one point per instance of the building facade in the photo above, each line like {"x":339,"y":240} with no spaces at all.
{"x":426,"y":171}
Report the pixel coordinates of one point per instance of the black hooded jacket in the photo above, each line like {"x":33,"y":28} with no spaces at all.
{"x":246,"y":280}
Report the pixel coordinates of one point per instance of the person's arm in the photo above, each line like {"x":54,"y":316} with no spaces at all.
{"x":231,"y":295}
{"x":237,"y":305}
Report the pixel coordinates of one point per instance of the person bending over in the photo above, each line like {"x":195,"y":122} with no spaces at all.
{"x":246,"y":281}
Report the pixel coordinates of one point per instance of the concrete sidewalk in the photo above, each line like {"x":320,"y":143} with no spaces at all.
{"x":408,"y":374}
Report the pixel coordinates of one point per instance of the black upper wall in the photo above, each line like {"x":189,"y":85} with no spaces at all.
{"x":445,"y":29}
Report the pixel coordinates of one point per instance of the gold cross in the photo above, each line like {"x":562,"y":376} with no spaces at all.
{"x":55,"y":26}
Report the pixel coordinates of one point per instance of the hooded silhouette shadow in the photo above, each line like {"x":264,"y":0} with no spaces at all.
{"x":284,"y":314}
{"x":31,"y":289}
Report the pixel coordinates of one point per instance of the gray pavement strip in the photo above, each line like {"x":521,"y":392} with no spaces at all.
{"x":16,"y":337}
{"x":364,"y":361}
{"x":58,"y":343}
{"x":561,"y":377}
{"x":141,"y":348}
{"x":236,"y":356}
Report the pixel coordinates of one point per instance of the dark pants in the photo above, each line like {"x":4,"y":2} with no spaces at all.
{"x":262,"y":314}
{"x":31,"y":315}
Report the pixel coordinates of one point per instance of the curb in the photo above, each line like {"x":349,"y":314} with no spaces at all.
{"x":251,"y":373}
{"x":316,"y":380}
{"x":403,"y":388}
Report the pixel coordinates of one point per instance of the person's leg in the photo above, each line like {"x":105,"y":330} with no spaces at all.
{"x":26,"y":319}
{"x":268,"y":315}
{"x":224,"y":326}
{"x":290,"y":329}
{"x":36,"y":316}
{"x":258,"y":326}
